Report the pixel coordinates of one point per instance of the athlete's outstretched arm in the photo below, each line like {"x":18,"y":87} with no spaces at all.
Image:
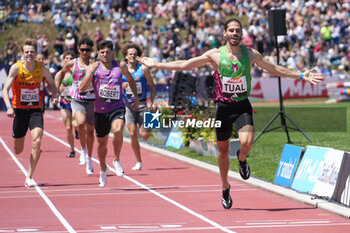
{"x":178,"y":65}
{"x":89,"y":74}
{"x":277,"y":70}
{"x":5,"y":92}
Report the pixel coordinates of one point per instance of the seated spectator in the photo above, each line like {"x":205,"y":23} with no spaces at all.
{"x":2,"y":18}
{"x":72,"y":21}
{"x":59,"y":43}
{"x":69,"y":42}
{"x":11,"y":51}
{"x":58,"y":21}
{"x":98,"y":36}
{"x":31,"y":15}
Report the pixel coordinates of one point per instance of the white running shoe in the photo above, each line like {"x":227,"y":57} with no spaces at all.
{"x":89,"y":168}
{"x":83,"y":155}
{"x":118,"y":168}
{"x":137,"y":166}
{"x":103,"y":178}
{"x":29,"y":182}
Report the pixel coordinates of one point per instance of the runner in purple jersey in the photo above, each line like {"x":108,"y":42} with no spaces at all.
{"x":108,"y":87}
{"x":106,"y":78}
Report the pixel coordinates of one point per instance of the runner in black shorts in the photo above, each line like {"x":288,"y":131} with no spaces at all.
{"x":232,"y":64}
{"x":103,"y":121}
{"x":24,"y":118}
{"x":25,"y":78}
{"x":106,"y":78}
{"x":240,"y":113}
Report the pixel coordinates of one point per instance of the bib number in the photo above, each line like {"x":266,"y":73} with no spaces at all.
{"x":109,"y":93}
{"x":129,"y":92}
{"x":234,"y":87}
{"x":30,"y":96}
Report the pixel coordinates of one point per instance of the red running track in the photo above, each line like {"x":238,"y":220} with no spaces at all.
{"x":167,"y":195}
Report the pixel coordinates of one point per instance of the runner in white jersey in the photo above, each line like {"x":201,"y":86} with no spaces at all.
{"x":82,"y":102}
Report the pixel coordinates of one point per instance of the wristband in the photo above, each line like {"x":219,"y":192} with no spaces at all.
{"x":9,"y":106}
{"x":301,"y":76}
{"x":93,"y":74}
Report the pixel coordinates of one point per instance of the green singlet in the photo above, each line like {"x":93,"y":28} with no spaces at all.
{"x":235,"y":76}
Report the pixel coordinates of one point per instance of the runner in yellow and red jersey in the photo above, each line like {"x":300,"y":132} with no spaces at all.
{"x":25,"y":78}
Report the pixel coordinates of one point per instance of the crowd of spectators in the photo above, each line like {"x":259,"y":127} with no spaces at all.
{"x":318,"y":32}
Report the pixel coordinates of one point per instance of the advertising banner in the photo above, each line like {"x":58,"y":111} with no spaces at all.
{"x":309,"y":169}
{"x":267,"y":89}
{"x":175,"y":138}
{"x":329,"y":173}
{"x":4,"y":69}
{"x":342,"y":189}
{"x":287,"y":165}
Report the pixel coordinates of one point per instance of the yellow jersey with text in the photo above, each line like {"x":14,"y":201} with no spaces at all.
{"x":26,"y":87}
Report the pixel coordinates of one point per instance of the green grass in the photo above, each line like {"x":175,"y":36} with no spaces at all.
{"x":265,"y":155}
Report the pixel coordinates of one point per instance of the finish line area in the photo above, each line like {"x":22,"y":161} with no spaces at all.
{"x":167,"y":195}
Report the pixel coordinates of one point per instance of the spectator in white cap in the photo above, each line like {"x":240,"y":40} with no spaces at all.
{"x":69,"y":42}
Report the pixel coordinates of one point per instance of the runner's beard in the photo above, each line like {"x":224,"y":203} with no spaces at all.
{"x":237,"y":41}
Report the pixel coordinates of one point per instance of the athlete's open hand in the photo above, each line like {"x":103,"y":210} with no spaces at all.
{"x":313,"y":77}
{"x":149,"y":62}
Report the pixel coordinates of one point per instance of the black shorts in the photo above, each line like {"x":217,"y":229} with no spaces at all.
{"x":240,"y":113}
{"x":103,"y":121}
{"x":24,"y":118}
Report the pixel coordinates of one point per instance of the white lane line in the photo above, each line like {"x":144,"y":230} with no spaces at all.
{"x":60,"y":140}
{"x":27,"y":230}
{"x":179,"y":205}
{"x":198,"y":188}
{"x":289,"y":225}
{"x":108,"y":228}
{"x":216,"y":225}
{"x":309,"y":222}
{"x":37,"y":188}
{"x":106,"y":194}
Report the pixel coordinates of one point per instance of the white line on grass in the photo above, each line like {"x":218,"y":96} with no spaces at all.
{"x":37,"y":188}
{"x":216,"y":225}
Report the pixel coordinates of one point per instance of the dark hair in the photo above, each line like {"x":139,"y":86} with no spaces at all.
{"x":86,"y":41}
{"x":69,"y":52}
{"x":30,"y":42}
{"x":130,"y":45}
{"x":232,"y":20}
{"x":104,"y":44}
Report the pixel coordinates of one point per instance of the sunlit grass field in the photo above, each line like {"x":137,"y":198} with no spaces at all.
{"x":326,"y":125}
